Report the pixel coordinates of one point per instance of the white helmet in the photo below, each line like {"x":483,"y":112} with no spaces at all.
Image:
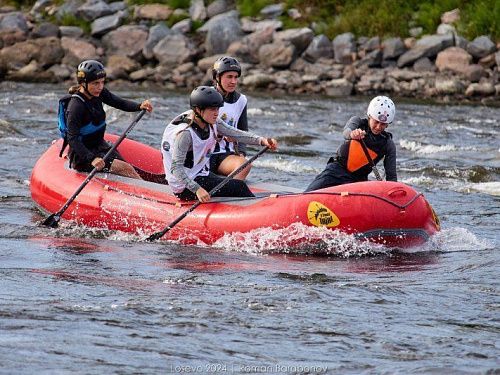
{"x":382,"y":109}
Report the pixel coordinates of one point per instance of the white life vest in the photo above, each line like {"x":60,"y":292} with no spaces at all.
{"x":230,"y":113}
{"x":202,"y":149}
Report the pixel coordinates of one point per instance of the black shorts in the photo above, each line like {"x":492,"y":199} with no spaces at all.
{"x":232,"y":188}
{"x":88,"y":167}
{"x":217,"y":159}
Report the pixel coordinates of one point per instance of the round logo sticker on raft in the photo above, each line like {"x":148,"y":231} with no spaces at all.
{"x":321,"y":216}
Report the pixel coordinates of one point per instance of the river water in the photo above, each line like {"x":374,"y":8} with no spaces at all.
{"x":76,"y":300}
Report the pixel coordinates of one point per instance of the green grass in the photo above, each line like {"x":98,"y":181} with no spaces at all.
{"x":71,"y":20}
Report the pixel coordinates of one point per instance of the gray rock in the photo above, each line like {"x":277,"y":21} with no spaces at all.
{"x":77,"y":50}
{"x":480,"y":89}
{"x":372,"y":59}
{"x":424,"y":65}
{"x":127,"y":40}
{"x":250,"y":26}
{"x":272,"y":11}
{"x":173,"y":50}
{"x":61,"y":72}
{"x":247,"y":48}
{"x":69,"y":7}
{"x":258,"y":80}
{"x":344,"y":46}
{"x":481,"y":46}
{"x":277,"y":55}
{"x":14,"y":21}
{"x":105,"y":24}
{"x":497,"y":58}
{"x":183,"y":26}
{"x":338,"y":87}
{"x":197,"y":10}
{"x":93,"y":9}
{"x":320,"y":46}
{"x":393,"y":48}
{"x":71,"y":31}
{"x":300,"y":38}
{"x":454,"y":59}
{"x":368,"y":45}
{"x":445,"y":28}
{"x":428,"y":46}
{"x":219,"y":7}
{"x":223,"y":29}
{"x":45,"y":29}
{"x":156,"y":33}
{"x":461,"y":42}
{"x":473,"y":72}
{"x":40,"y":6}
{"x":117,"y":6}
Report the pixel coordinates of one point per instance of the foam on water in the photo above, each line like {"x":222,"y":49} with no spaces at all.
{"x":456,"y":239}
{"x":491,"y":188}
{"x":280,"y":164}
{"x":419,"y":148}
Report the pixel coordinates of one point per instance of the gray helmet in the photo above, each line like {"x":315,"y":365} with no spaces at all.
{"x":205,"y":97}
{"x":225,"y":64}
{"x":90,"y":70}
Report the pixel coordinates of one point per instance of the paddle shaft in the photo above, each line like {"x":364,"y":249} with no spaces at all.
{"x":158,"y":235}
{"x":370,"y":160}
{"x":53,"y":219}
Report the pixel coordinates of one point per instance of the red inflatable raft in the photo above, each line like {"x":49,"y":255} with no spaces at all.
{"x":384,"y":212}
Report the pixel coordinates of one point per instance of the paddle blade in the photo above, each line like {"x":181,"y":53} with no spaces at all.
{"x":52,"y":221}
{"x":154,"y":236}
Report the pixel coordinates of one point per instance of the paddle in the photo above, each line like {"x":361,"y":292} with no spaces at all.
{"x":53,"y":220}
{"x":158,"y":235}
{"x":370,"y":160}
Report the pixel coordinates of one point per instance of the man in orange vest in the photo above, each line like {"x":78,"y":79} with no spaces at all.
{"x":351,"y":164}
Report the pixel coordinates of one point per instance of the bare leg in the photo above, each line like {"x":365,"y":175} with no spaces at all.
{"x":232,"y":162}
{"x":122,"y":168}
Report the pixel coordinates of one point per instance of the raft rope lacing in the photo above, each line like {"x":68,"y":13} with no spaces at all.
{"x":274,"y":195}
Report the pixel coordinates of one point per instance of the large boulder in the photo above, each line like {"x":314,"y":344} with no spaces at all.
{"x":105,"y":24}
{"x":393,"y":48}
{"x":76,"y":50}
{"x":481,"y":46}
{"x":320,"y":47}
{"x":344,"y":48}
{"x":247,"y":48}
{"x":277,"y":55}
{"x":454,"y":59}
{"x":156,"y":33}
{"x":93,"y":9}
{"x":428,"y":46}
{"x":45,"y":51}
{"x":127,"y":40}
{"x":174,"y":49}
{"x":14,"y":21}
{"x":222,"y":30}
{"x":300,"y":38}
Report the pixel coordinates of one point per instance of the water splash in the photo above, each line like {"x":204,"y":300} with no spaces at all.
{"x":456,"y":239}
{"x":299,"y":239}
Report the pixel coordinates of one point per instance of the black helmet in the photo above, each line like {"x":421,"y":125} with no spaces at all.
{"x":225,"y":64}
{"x":205,"y":97}
{"x":90,"y":70}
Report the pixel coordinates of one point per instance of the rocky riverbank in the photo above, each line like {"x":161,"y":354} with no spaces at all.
{"x":136,"y":45}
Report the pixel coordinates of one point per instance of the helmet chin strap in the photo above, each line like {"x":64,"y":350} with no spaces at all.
{"x":199,"y":116}
{"x":219,"y":84}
